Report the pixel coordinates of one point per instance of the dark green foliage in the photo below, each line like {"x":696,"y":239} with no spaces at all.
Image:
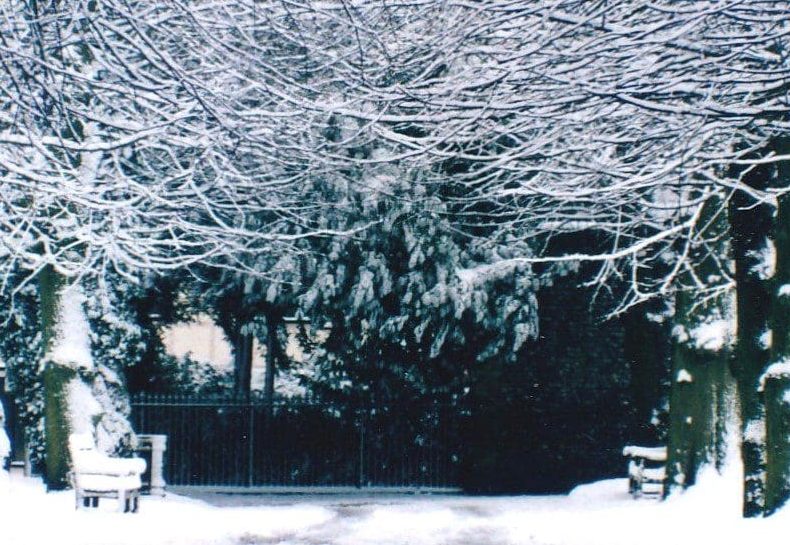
{"x":20,"y":349}
{"x":561,"y":414}
{"x":188,"y":376}
{"x":411,"y":307}
{"x":777,"y":408}
{"x":138,"y":312}
{"x":117,"y":338}
{"x":646,"y":349}
{"x":154,"y":305}
{"x":776,"y":394}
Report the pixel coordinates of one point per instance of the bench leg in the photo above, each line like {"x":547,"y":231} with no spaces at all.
{"x":638,"y":491}
{"x":88,"y":501}
{"x":128,"y":501}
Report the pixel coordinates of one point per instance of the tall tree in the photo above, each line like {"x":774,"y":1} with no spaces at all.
{"x":702,"y":394}
{"x":121,"y":151}
{"x":412,"y":303}
{"x":775,"y":380}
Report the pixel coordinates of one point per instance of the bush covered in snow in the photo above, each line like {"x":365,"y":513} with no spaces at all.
{"x":188,"y":376}
{"x":20,"y":348}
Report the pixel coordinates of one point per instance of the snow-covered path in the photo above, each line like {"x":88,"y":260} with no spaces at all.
{"x":597,"y":514}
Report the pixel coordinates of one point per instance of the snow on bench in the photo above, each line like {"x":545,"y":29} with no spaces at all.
{"x":96,"y":475}
{"x":646,"y":470}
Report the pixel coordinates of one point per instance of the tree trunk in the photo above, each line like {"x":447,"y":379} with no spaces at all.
{"x":56,"y":379}
{"x":243,"y":359}
{"x":751,"y":227}
{"x":702,"y":393}
{"x":235,"y":316}
{"x":273,"y":352}
{"x":780,"y":310}
{"x":777,"y":386}
{"x":646,"y":347}
{"x":777,"y":419}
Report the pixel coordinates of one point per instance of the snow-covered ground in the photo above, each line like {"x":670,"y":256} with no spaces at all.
{"x":596,"y":514}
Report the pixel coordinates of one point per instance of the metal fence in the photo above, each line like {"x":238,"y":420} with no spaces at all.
{"x":246,"y":442}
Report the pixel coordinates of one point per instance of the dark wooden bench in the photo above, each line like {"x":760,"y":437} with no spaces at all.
{"x":646,"y":470}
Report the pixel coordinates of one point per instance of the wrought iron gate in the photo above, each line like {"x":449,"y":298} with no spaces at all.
{"x":248,"y":443}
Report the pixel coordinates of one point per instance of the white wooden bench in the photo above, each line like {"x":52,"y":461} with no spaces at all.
{"x":646,"y":470}
{"x":95,"y":475}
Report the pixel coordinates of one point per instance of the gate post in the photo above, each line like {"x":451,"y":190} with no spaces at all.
{"x":152,"y":447}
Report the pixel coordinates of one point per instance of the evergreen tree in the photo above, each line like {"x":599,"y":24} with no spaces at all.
{"x":20,"y":349}
{"x":411,"y":302}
